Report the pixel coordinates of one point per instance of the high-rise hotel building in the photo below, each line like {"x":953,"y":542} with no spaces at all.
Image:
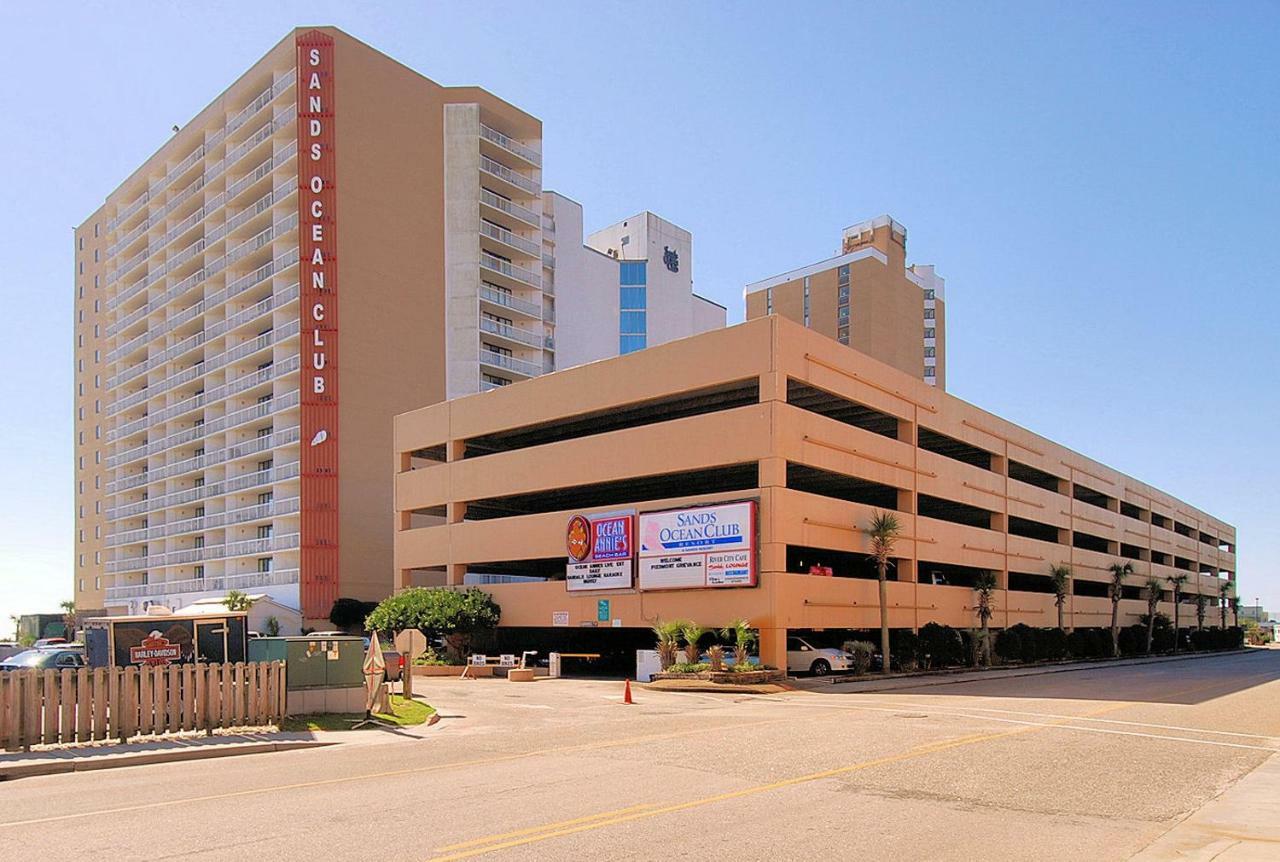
{"x":334,"y":240}
{"x":868,"y":298}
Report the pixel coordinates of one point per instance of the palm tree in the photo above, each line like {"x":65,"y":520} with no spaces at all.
{"x":740,"y":632}
{"x":1176,"y":582}
{"x":668,"y":635}
{"x":69,"y":617}
{"x":1235,"y":610}
{"x":985,"y":586}
{"x":1202,"y":605}
{"x":1060,"y":576}
{"x":884,"y":532}
{"x":237,"y":601}
{"x":1224,"y":598}
{"x":1153,"y":600}
{"x":1119,"y":571}
{"x":692,"y":633}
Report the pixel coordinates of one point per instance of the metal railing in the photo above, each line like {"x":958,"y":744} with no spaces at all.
{"x":507,"y":300}
{"x":524,"y":151}
{"x":214,"y":583}
{"x":510,"y":270}
{"x":510,"y":363}
{"x":511,"y":208}
{"x":519,"y":180}
{"x":514,"y":240}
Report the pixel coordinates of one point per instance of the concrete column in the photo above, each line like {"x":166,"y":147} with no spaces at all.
{"x":906,"y":501}
{"x":773,"y":472}
{"x":773,"y":647}
{"x":454,"y":574}
{"x":454,"y":512}
{"x":454,"y":450}
{"x":773,"y":386}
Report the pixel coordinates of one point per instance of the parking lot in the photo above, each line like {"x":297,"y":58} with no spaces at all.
{"x":1094,"y":764}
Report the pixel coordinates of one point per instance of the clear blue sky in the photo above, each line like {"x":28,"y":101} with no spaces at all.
{"x":1098,"y":183}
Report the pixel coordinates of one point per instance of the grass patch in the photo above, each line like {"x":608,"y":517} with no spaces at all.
{"x":405,"y":713}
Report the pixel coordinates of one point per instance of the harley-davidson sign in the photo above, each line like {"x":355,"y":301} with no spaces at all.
{"x":155,"y":649}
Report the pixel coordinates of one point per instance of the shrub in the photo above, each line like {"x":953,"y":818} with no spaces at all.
{"x":940,"y":646}
{"x":349,"y":614}
{"x":689,"y":667}
{"x":1009,"y":644}
{"x":862,"y":651}
{"x":1052,"y":644}
{"x":1133,"y":639}
{"x":904,"y":648}
{"x":715,"y":656}
{"x":458,"y":615}
{"x":1089,"y":643}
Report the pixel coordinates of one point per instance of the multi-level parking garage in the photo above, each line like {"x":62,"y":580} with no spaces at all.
{"x":822,"y":437}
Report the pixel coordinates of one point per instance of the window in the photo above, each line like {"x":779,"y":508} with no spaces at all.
{"x":96,"y":306}
{"x":264,"y":564}
{"x":264,"y":531}
{"x":768,"y":301}
{"x":264,"y":498}
{"x":632,"y":297}
{"x":81,"y":561}
{"x":97,"y":583}
{"x":929,"y":371}
{"x":632,"y":272}
{"x":97,"y":432}
{"x":494,"y":381}
{"x":930,"y":332}
{"x":199,"y":482}
{"x":199,"y":542}
{"x":97,"y":558}
{"x":263,"y":399}
{"x":199,"y":511}
{"x":928,"y":294}
{"x":930,"y":351}
{"x":929,"y":313}
{"x":199,"y":571}
{"x":631,"y":343}
{"x":265,"y":465}
{"x":265,"y":432}
{"x":806,"y":300}
{"x":632,"y":323}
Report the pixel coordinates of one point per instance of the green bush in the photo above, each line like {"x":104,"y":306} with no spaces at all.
{"x":457,"y":615}
{"x":904,"y":648}
{"x":862,"y":651}
{"x":940,"y":646}
{"x":1089,"y":643}
{"x":1009,"y":644}
{"x":1052,"y":644}
{"x":688,"y":667}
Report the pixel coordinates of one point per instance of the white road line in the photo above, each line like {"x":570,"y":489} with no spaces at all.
{"x":1103,"y":730}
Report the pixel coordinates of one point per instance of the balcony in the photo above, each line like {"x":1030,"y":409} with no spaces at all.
{"x":521,"y":276}
{"x":508,"y":301}
{"x":217,"y":583}
{"x":503,"y":205}
{"x":523,"y":337}
{"x":204,"y":492}
{"x":530,"y":155}
{"x":517,"y":181}
{"x":245,"y":514}
{"x":511,"y":240}
{"x":509,"y":363}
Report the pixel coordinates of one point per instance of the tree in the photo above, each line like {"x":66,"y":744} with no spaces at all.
{"x":668,"y":636}
{"x":16,"y":620}
{"x":1176,"y":583}
{"x":1060,"y":577}
{"x":884,"y":532}
{"x":349,"y":614}
{"x":237,"y":601}
{"x":739,"y":631}
{"x":985,"y":586}
{"x":1153,"y":600}
{"x":456,"y":615}
{"x":1115,"y":590}
{"x":272,"y":627}
{"x":1235,"y":610}
{"x":68,"y":618}
{"x":1202,"y":605}
{"x":692,"y":633}
{"x":1224,"y":598}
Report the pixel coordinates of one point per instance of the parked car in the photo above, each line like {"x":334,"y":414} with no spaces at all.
{"x":804,"y":657}
{"x":48,"y":642}
{"x":10,"y":648}
{"x":53,"y":658}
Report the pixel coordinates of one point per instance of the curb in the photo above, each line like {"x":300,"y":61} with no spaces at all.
{"x":145,"y":758}
{"x":985,"y":674}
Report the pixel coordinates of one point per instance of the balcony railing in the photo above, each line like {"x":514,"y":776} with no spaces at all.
{"x":511,"y":208}
{"x":515,"y":333}
{"x":510,"y":270}
{"x":510,"y":363}
{"x":283,"y":437}
{"x":514,"y":240}
{"x":213,"y":583}
{"x":507,"y":300}
{"x":259,"y":511}
{"x":519,"y":180}
{"x":524,"y":151}
{"x":203,"y":492}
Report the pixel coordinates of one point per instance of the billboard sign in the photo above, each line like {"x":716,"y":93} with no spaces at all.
{"x":600,"y":550}
{"x":699,"y":547}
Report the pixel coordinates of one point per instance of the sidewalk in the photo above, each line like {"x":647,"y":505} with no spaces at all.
{"x":1240,"y":825}
{"x":951,"y":677}
{"x":84,"y":758}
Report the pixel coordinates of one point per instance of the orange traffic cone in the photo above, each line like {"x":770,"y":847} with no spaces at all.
{"x":626,"y":693}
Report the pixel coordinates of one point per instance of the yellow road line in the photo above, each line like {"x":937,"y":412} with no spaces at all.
{"x":495,"y":843}
{"x":544,"y":827}
{"x":565,"y":749}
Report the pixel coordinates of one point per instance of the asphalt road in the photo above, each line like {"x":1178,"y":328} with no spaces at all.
{"x":1085,"y":765}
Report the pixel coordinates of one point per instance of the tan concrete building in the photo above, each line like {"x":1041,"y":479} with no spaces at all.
{"x":214,"y":448}
{"x":819,"y":438}
{"x":868,"y":298}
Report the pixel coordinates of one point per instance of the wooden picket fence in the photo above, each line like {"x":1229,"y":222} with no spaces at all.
{"x":45,"y":707}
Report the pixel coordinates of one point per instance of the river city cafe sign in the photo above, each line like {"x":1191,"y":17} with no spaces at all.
{"x":318,"y":281}
{"x":600,"y":548}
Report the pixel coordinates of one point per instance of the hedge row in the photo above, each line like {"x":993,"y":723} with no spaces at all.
{"x":943,"y":646}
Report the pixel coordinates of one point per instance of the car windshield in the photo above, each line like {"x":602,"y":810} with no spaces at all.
{"x":30,"y":658}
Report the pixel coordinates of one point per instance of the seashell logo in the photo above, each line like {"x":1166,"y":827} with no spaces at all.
{"x":321,"y":436}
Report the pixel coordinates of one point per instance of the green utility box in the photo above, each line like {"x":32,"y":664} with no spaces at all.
{"x":311,"y":663}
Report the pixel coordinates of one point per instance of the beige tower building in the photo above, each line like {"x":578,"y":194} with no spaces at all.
{"x":868,"y":298}
{"x":334,"y":240}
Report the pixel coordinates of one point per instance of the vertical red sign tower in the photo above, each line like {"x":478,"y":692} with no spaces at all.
{"x":318,"y":298}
